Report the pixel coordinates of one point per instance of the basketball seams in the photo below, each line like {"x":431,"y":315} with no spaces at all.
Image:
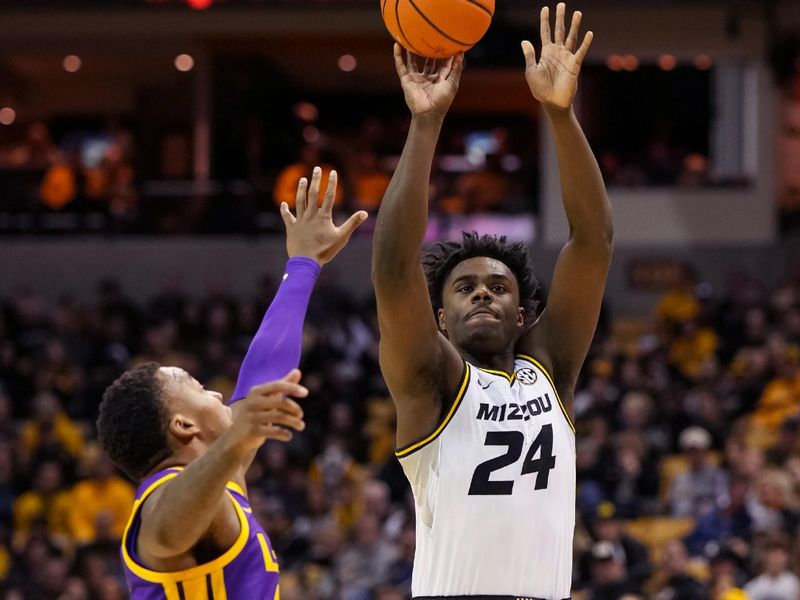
{"x":436,"y":27}
{"x":400,"y":27}
{"x":482,"y":7}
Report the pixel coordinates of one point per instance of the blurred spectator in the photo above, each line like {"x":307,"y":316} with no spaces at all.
{"x":286,"y":182}
{"x":609,"y":576}
{"x":775,"y":579}
{"x":729,"y":520}
{"x":699,"y":489}
{"x":49,"y":430}
{"x":369,"y":182}
{"x":679,"y":582}
{"x":607,"y":527}
{"x":102,"y":500}
{"x":37,"y":151}
{"x":43,"y":509}
{"x":364,"y":563}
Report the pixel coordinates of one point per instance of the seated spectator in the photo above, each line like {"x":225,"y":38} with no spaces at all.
{"x":775,"y":579}
{"x":680,"y":303}
{"x":37,"y":151}
{"x":698,"y":490}
{"x":47,"y":504}
{"x":369,"y":182}
{"x":607,"y":527}
{"x":693,"y":349}
{"x":729,"y":520}
{"x":609,"y":578}
{"x":50,"y":428}
{"x":364,"y":562}
{"x":103,"y":494}
{"x":679,"y":582}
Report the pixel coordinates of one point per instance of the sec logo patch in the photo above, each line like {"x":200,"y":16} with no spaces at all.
{"x":526,"y":376}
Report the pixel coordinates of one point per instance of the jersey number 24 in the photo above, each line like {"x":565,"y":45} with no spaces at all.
{"x":514,"y":441}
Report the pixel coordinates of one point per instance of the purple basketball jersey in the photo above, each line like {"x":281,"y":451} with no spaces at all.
{"x":248,"y":570}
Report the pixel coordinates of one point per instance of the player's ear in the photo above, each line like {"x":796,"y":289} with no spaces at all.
{"x":183,"y":427}
{"x":520,"y":317}
{"x":440,"y":319}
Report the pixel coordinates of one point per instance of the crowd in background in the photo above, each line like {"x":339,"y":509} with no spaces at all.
{"x":97,"y":181}
{"x":688,"y":444}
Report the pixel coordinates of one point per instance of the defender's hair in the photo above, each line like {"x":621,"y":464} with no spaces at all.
{"x":132,"y":422}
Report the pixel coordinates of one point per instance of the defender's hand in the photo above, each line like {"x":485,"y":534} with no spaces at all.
{"x":312,"y":233}
{"x":429,"y":94}
{"x":554,"y":79}
{"x":267,"y":412}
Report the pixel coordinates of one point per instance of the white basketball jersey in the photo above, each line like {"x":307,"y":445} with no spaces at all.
{"x":494,"y":488}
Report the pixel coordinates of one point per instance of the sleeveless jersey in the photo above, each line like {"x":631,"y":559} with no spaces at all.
{"x":246,"y":570}
{"x":494,"y":489}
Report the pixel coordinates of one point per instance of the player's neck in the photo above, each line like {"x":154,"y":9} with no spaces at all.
{"x":494,"y":362}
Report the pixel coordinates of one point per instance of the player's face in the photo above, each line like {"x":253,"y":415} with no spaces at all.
{"x":481,"y":313}
{"x":204,"y":408}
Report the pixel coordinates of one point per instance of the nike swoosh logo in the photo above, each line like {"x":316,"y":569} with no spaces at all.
{"x":484,"y":387}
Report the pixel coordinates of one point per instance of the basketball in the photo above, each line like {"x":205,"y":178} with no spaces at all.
{"x":437,"y":28}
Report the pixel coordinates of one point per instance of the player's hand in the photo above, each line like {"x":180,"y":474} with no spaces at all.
{"x":554,"y":79}
{"x":311,"y":231}
{"x":429,"y":94}
{"x":267,"y":412}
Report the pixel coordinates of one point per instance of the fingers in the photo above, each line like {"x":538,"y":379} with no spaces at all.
{"x":530,"y":54}
{"x":293,"y":376}
{"x":312,"y":206}
{"x":330,"y":193}
{"x":282,"y":419}
{"x":544,"y":26}
{"x":286,"y":215}
{"x":561,"y":8}
{"x":300,"y":199}
{"x":456,"y":69}
{"x":581,"y":53}
{"x":399,"y":61}
{"x":572,"y":37}
{"x":281,"y":386}
{"x":348,"y":227}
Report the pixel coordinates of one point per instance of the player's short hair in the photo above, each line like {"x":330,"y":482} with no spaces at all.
{"x":441,"y":258}
{"x":132,"y":421}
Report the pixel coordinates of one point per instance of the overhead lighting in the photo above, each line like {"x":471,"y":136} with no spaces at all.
{"x":71,"y":63}
{"x":184,"y":62}
{"x":702,"y":62}
{"x":347,"y":63}
{"x":7,"y":115}
{"x":667,"y":62}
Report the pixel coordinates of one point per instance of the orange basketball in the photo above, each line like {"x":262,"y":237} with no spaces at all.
{"x":437,"y":28}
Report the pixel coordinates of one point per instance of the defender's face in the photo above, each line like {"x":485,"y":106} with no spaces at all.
{"x":481,"y":312}
{"x":206,"y":409}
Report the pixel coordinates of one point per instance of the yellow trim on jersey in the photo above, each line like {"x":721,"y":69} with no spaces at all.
{"x":510,"y":378}
{"x":236,"y":488}
{"x":535,"y":362}
{"x":200,"y":570}
{"x":405,"y":451}
{"x":218,"y":585}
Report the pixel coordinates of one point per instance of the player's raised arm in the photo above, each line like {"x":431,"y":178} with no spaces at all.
{"x":312,"y":240}
{"x":417,"y":362}
{"x":565,"y":330}
{"x":180,"y":512}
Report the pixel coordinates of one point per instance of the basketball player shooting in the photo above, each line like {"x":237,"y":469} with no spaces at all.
{"x":192,"y":534}
{"x":482,"y":387}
